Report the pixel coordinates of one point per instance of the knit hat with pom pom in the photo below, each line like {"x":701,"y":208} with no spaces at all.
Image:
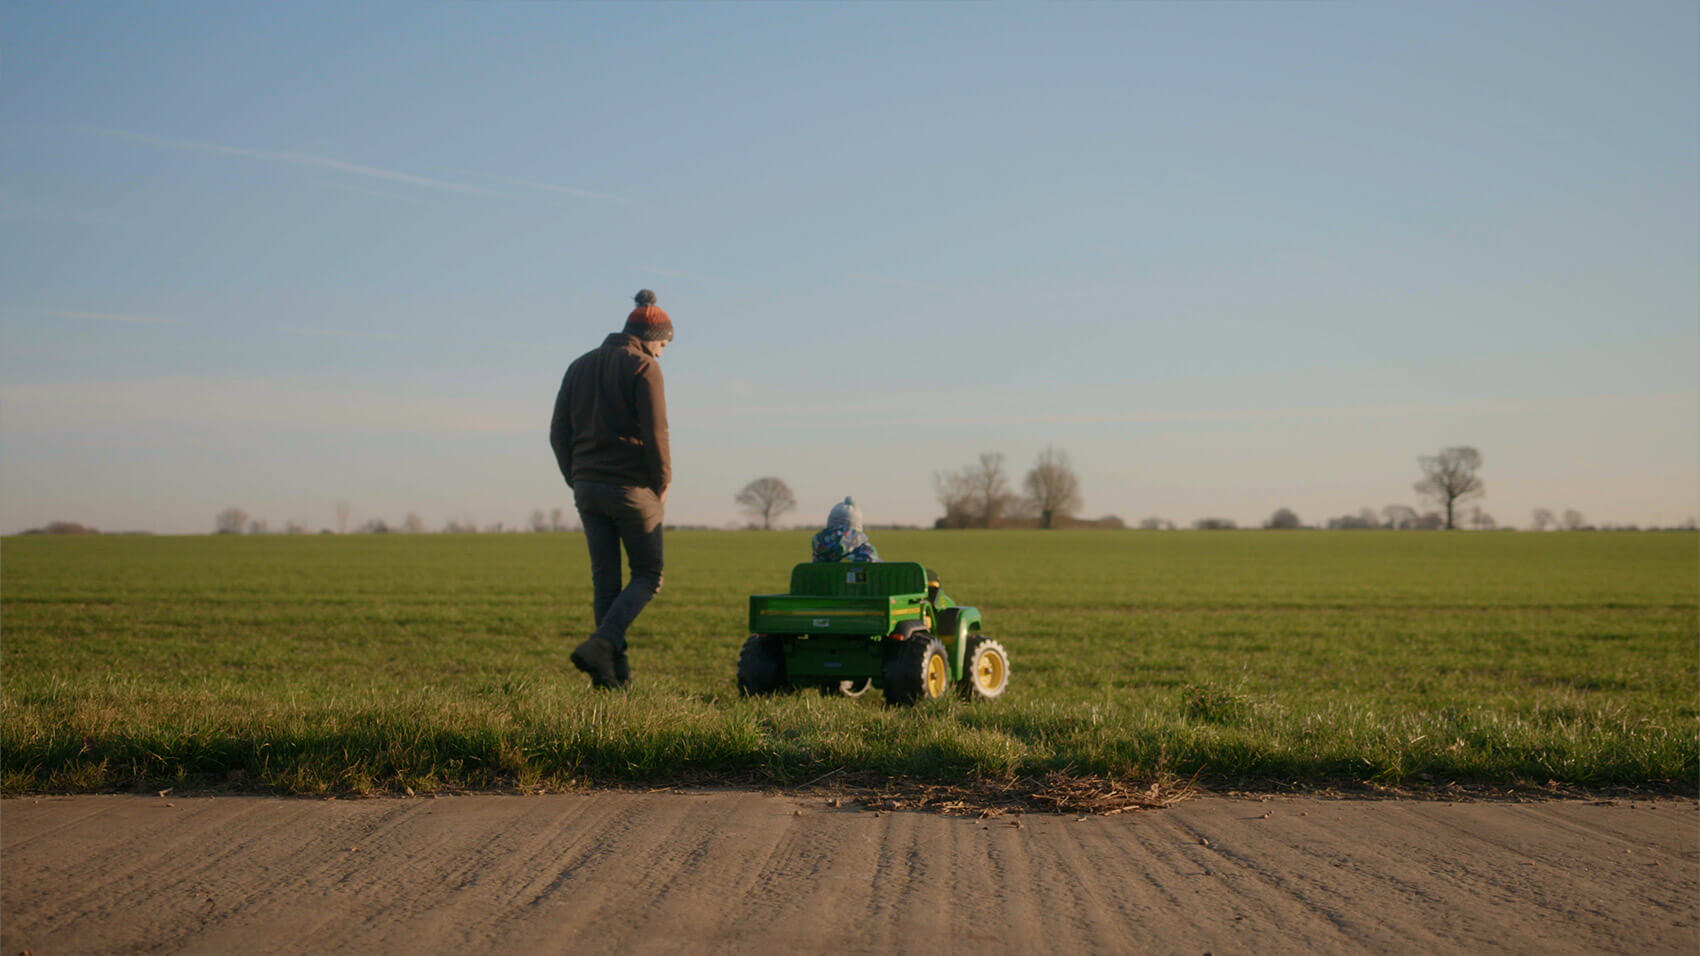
{"x":647,"y":321}
{"x":845,"y":514}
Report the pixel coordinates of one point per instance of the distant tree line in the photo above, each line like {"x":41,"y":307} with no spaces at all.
{"x":978,"y":495}
{"x":234,"y":520}
{"x":63,"y":527}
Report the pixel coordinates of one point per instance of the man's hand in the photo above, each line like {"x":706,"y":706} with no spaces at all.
{"x":664,"y":496}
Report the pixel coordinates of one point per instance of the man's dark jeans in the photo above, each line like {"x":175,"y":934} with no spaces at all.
{"x":615,"y":515}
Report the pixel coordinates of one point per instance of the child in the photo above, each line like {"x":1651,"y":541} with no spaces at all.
{"x":842,"y":538}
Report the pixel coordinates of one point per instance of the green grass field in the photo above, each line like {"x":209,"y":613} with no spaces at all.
{"x":329,"y":664}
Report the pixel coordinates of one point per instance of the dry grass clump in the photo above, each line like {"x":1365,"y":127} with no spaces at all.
{"x":1055,"y":792}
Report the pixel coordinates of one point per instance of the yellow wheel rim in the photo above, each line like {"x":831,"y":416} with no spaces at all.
{"x":989,"y":671}
{"x":938,"y":675}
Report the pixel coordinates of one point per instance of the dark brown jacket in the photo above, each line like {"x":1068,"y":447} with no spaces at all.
{"x":610,"y":421}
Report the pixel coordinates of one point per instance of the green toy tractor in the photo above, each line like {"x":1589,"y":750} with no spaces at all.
{"x":847,"y":627}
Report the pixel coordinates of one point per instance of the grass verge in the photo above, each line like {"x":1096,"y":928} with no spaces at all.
{"x":369,"y":665}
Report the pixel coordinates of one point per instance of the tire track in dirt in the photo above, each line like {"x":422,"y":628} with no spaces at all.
{"x":184,"y":860}
{"x":813,"y":876}
{"x":1582,"y":873}
{"x":1298,"y":875}
{"x":729,"y":872}
{"x":458,"y":862}
{"x":65,"y":825}
{"x":1131,"y":884}
{"x":307,"y":881}
{"x":1563,"y":817}
{"x":471,"y":873}
{"x":747,"y":858}
{"x":1421,"y":858}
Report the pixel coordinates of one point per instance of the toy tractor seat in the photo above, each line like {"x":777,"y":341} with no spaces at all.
{"x":859,"y":579}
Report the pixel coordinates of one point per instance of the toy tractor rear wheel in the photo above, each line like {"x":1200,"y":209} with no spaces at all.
{"x":847,"y":688}
{"x":761,"y":666}
{"x":985,"y":669}
{"x":916,"y":669}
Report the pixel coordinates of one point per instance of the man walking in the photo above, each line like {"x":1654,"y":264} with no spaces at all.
{"x":609,"y":434}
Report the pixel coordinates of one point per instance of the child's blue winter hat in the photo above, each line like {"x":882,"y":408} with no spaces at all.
{"x":845,"y":514}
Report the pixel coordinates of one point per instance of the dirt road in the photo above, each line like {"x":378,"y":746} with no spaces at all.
{"x":743,"y":872}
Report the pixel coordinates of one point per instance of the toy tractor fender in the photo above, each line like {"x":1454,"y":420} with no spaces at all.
{"x":955,"y":624}
{"x":907,"y":628}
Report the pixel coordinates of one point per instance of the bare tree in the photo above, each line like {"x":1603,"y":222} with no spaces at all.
{"x":1364,"y":520}
{"x":1214,"y":524}
{"x":1543,"y":519}
{"x":767,"y":499}
{"x":956,"y":495}
{"x":1156,"y":524}
{"x":1573,"y":520}
{"x":294,"y":527}
{"x":556,"y":520}
{"x":538,"y":521}
{"x":258,"y":526}
{"x":1284,"y":519}
{"x":1450,"y":477}
{"x":1399,"y":517}
{"x":978,"y":495}
{"x":342,"y":517}
{"x":231,"y":521}
{"x":992,"y":497}
{"x":374,"y":526}
{"x":1481,"y":520}
{"x":413,"y":524}
{"x":1053,"y":488}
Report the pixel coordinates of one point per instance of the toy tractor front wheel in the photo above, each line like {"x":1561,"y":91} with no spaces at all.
{"x":761,"y":666}
{"x":916,"y":669}
{"x":985,"y":669}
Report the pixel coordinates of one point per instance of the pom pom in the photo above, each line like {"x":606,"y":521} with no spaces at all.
{"x":644,"y":297}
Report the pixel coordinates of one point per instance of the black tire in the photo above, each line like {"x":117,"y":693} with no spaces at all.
{"x":847,"y":688}
{"x":761,"y":666}
{"x":913,"y":670}
{"x":985,"y":669}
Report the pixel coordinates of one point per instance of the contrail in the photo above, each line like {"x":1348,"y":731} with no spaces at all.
{"x":571,"y":191}
{"x":110,"y":316}
{"x":291,"y":158}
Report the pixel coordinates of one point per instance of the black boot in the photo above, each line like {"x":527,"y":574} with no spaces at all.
{"x":596,"y":657}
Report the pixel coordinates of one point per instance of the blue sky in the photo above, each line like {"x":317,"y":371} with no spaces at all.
{"x":1231,"y":257}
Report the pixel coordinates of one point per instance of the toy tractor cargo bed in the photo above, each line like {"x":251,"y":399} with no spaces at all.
{"x":808,"y":614}
{"x":860,"y":599}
